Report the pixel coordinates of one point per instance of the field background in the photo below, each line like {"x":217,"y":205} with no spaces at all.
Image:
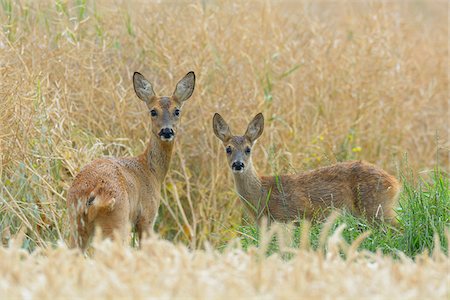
{"x":335,"y":81}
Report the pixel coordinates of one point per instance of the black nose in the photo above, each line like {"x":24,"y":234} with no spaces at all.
{"x":166,"y":133}
{"x":237,"y":166}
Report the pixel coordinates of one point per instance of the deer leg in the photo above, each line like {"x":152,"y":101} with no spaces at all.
{"x":143,"y":229}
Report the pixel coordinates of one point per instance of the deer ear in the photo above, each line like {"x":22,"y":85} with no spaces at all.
{"x":255,"y":128}
{"x":143,"y":88}
{"x":221,"y":128}
{"x":185,"y":87}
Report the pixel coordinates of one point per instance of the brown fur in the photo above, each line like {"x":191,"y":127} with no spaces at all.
{"x":359,"y":187}
{"x":115,"y":194}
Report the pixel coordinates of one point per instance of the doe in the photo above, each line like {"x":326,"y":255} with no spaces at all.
{"x":116,"y":193}
{"x":360,"y":187}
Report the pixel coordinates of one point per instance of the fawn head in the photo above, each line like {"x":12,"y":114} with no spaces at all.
{"x":165,"y":111}
{"x":238,"y":148}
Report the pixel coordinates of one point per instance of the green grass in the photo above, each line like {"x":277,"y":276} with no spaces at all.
{"x":423,"y":213}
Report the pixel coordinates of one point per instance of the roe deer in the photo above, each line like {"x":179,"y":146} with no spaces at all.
{"x":357,"y":186}
{"x":114,"y":193}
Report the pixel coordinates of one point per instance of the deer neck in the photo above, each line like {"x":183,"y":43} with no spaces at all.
{"x":158,"y":155}
{"x":249,"y":186}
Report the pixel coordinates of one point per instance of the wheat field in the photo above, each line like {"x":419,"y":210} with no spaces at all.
{"x":335,"y":81}
{"x":162,"y":270}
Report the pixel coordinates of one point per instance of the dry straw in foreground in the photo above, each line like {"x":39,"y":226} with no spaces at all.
{"x":163,"y":270}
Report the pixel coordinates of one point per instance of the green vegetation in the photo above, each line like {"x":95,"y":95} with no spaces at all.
{"x":424,"y":213}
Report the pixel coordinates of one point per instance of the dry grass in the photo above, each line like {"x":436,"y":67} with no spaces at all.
{"x":162,"y":270}
{"x":335,"y":82}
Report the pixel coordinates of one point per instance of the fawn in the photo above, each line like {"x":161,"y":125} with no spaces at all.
{"x":114,"y":193}
{"x":357,"y":186}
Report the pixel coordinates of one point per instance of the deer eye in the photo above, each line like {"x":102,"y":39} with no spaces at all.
{"x":153,"y":113}
{"x":247,"y":150}
{"x":229,"y":150}
{"x":176,"y":112}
